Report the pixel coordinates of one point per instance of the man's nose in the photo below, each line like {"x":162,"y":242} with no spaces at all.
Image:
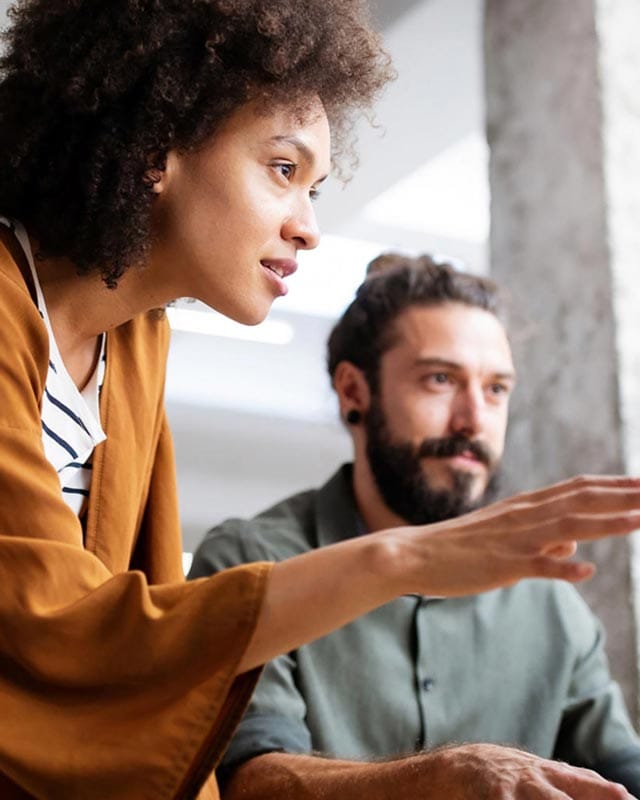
{"x":466,"y":414}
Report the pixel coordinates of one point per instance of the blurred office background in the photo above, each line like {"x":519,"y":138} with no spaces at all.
{"x":510,"y":142}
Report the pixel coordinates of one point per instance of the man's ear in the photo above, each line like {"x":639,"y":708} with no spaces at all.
{"x":352,"y":389}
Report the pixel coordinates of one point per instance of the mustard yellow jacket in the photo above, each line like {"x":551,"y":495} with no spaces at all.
{"x":117,"y":678}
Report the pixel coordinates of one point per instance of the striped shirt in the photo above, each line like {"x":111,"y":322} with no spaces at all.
{"x":71,"y":426}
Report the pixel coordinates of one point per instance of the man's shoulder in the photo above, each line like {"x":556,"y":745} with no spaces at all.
{"x":284,"y":530}
{"x":289,"y":521}
{"x":295,"y":525}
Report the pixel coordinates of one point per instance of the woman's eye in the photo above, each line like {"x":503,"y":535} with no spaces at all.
{"x":314,"y":193}
{"x":286,"y":169}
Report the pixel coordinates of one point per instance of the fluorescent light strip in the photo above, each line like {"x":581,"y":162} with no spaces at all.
{"x":210,"y":323}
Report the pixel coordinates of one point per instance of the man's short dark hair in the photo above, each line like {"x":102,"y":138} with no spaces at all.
{"x":94,"y":93}
{"x":393,"y":284}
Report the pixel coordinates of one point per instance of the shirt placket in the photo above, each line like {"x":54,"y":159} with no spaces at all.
{"x":426,"y":679}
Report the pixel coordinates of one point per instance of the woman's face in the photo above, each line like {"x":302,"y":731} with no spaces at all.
{"x":230,"y":218}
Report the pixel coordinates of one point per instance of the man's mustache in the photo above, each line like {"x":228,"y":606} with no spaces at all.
{"x":450,"y":446}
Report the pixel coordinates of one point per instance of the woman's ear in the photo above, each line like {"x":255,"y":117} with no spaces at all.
{"x":156,"y":175}
{"x":153,"y":178}
{"x":354,"y":395}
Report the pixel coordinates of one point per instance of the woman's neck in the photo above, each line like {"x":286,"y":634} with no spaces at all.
{"x":81,"y":307}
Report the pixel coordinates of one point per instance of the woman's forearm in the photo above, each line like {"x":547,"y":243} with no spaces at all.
{"x":527,"y":536}
{"x":312,"y":594}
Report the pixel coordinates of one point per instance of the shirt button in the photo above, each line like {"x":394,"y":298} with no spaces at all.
{"x":428,"y":684}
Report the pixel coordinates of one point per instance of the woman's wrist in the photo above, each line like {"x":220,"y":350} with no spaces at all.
{"x":396,"y":561}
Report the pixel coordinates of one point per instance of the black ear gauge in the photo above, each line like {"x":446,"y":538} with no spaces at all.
{"x":353,"y":417}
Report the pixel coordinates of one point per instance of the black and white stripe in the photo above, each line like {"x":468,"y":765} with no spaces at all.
{"x":71,"y":426}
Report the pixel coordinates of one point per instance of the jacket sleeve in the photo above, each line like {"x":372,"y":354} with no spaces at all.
{"x":276,"y":718}
{"x":111,"y":686}
{"x":596,"y":731}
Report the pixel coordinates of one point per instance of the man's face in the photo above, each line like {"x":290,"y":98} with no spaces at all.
{"x":436,"y":427}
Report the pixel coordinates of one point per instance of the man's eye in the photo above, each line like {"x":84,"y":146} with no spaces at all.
{"x":498,"y":389}
{"x":438,"y":378}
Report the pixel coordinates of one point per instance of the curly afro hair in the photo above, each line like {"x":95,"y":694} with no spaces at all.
{"x":93,"y":95}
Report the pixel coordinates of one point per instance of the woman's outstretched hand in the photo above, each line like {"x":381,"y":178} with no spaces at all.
{"x":529,"y":535}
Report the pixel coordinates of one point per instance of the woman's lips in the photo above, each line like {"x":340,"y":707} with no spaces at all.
{"x":283,"y":267}
{"x":278,"y":269}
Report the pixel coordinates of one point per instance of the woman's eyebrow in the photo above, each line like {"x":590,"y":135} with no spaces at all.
{"x":305,"y":152}
{"x":302,"y":147}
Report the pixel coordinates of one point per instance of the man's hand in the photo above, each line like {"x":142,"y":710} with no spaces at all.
{"x":493,"y":772}
{"x":463,"y":772}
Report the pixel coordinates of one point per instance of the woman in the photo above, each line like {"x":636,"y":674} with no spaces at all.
{"x":153,"y":149}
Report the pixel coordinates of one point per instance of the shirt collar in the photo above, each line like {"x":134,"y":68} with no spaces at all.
{"x":336,"y":514}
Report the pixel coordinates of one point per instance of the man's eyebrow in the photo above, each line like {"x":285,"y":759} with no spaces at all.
{"x":302,"y":147}
{"x":454,"y":365}
{"x":434,"y":361}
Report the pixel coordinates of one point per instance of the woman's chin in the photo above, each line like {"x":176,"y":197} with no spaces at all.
{"x":242,"y":313}
{"x":253,"y":316}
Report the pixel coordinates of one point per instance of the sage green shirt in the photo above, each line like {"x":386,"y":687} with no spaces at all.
{"x":523,"y":666}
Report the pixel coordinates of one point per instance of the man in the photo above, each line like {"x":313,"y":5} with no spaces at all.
{"x":422,"y":368}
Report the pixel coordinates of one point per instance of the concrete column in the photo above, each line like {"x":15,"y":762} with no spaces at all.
{"x":563,"y":124}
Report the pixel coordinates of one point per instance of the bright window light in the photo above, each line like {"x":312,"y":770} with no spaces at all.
{"x":329,"y":276}
{"x":448,"y":196}
{"x":210,"y":323}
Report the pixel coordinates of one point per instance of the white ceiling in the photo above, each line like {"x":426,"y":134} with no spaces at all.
{"x":255,"y":421}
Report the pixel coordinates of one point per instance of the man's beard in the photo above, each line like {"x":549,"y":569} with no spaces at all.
{"x":401,"y":480}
